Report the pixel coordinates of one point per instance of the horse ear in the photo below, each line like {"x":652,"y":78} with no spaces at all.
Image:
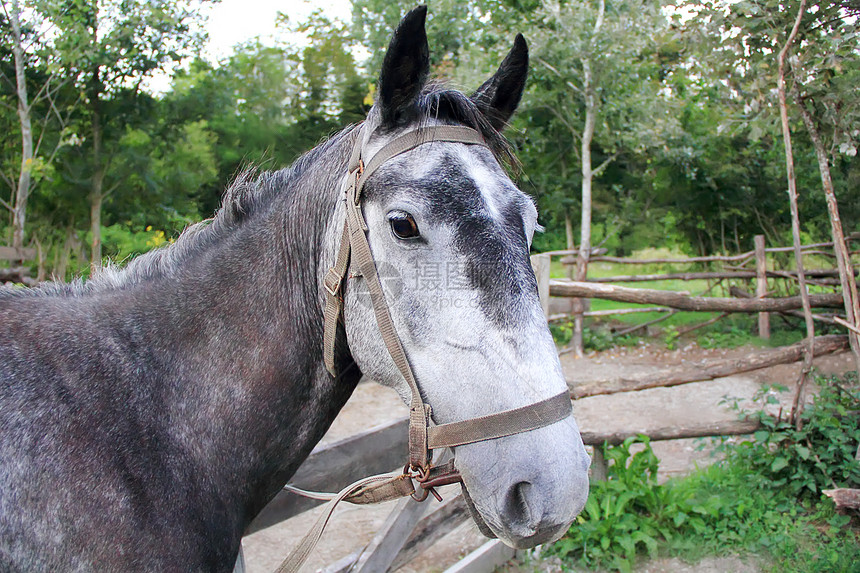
{"x":500,"y":95}
{"x":405,"y":69}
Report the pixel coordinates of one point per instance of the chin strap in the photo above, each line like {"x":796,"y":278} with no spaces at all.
{"x":424,"y":436}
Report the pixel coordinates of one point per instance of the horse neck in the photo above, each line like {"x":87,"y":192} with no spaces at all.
{"x":254,"y":397}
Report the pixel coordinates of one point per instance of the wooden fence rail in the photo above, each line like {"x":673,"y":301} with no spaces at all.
{"x":700,"y":372}
{"x":712,"y":429}
{"x":602,"y":287}
{"x":708,"y":259}
{"x":10,"y":254}
{"x":715,"y":275}
{"x":683,"y":301}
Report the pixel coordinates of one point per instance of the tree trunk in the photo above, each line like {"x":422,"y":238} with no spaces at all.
{"x":797,"y":407}
{"x":96,"y":199}
{"x":22,"y":192}
{"x":844,"y":498}
{"x":843,"y":259}
{"x":587,"y":177}
{"x":61,"y":267}
{"x":40,"y":269}
{"x":761,"y":285}
{"x":568,"y":231}
{"x":96,"y":196}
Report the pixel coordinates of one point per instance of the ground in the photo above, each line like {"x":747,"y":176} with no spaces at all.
{"x":700,"y":402}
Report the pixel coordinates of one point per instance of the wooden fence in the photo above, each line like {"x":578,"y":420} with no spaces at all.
{"x":734,"y":268}
{"x":407,"y":531}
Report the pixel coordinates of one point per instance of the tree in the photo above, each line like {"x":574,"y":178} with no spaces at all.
{"x":825,"y":67}
{"x":34,"y":66}
{"x":22,"y":190}
{"x":115,"y":45}
{"x":599,"y":76}
{"x":453,"y":26}
{"x":268,"y":104}
{"x":809,"y":349}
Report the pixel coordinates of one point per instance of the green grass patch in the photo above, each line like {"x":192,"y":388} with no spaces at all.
{"x":730,"y":332}
{"x":764,"y":498}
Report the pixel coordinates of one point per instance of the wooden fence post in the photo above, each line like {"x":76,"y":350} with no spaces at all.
{"x":761,"y":285}
{"x":540,"y":264}
{"x":381,"y":552}
{"x":598,"y":464}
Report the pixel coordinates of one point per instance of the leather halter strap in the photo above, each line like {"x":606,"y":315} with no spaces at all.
{"x":423,"y":435}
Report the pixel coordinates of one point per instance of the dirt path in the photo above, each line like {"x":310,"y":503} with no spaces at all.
{"x":353,"y":527}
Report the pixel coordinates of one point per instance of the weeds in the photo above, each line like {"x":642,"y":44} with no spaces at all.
{"x":764,"y":497}
{"x":598,"y":339}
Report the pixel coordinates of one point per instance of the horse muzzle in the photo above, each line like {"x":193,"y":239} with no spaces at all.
{"x":528,"y":488}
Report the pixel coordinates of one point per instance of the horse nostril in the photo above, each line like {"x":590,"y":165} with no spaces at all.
{"x":523,"y":509}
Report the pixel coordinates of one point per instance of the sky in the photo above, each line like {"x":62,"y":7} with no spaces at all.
{"x":234,"y":21}
{"x":231,"y":22}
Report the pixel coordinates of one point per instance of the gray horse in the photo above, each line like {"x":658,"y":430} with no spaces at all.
{"x":150,"y":413}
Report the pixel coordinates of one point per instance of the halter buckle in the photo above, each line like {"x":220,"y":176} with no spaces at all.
{"x":332,"y":282}
{"x":356,"y":191}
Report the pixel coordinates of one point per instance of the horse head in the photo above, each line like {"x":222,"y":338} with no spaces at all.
{"x":450,"y":233}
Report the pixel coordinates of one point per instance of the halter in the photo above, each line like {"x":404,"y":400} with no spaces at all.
{"x":424,"y":435}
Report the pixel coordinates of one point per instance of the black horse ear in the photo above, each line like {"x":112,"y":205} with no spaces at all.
{"x":405,"y":69}
{"x":500,"y":95}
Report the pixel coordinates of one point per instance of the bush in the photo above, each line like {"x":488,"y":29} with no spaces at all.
{"x":763,"y":497}
{"x":818,"y":456}
{"x":622,"y":516}
{"x":594,"y":338}
{"x":120,"y":242}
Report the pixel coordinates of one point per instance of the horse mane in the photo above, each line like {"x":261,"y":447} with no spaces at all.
{"x":252,"y":192}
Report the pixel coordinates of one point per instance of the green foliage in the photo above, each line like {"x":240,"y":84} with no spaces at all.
{"x":817,"y":456}
{"x":620,"y":518}
{"x":763,"y":497}
{"x":595,"y":338}
{"x":731,"y":337}
{"x":671,"y":334}
{"x":121,"y":242}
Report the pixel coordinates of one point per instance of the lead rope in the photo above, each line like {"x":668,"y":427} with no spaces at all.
{"x":423,"y":436}
{"x":303,"y":550}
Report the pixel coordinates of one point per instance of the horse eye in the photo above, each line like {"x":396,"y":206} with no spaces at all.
{"x":403,"y":225}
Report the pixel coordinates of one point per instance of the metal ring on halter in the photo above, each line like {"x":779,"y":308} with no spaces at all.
{"x":422,"y":477}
